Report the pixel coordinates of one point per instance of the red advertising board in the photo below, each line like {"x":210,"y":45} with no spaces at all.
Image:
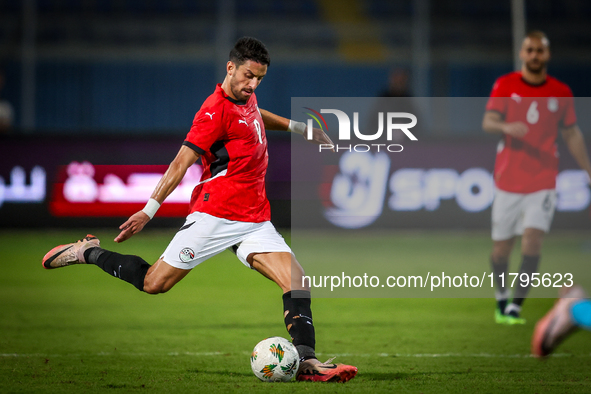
{"x":84,"y":189}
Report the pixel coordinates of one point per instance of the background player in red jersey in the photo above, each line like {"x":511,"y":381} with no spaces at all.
{"x":528,"y":108}
{"x":228,"y":210}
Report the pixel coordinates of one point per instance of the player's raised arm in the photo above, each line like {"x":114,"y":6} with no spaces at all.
{"x":493,"y":123}
{"x":169,"y":181}
{"x":276,"y":122}
{"x":575,"y":143}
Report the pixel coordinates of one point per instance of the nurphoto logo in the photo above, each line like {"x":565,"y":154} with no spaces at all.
{"x":392,"y":120}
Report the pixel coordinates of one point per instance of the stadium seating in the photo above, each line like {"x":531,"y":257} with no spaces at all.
{"x":110,"y":46}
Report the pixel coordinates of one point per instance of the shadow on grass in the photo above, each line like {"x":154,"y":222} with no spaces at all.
{"x":219,"y":372}
{"x":369,"y":376}
{"x":381,"y":376}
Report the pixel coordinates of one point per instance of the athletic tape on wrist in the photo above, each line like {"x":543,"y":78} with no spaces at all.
{"x":151,"y":208}
{"x":297,"y":127}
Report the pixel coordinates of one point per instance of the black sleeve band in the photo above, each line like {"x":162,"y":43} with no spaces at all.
{"x":194,"y":147}
{"x":571,"y":125}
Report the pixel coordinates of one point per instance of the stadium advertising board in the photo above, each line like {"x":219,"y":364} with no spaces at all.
{"x":60,"y":181}
{"x":83,"y":189}
{"x":361,"y":180}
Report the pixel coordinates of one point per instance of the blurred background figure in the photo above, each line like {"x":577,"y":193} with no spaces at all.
{"x":6,"y":109}
{"x":529,"y":109}
{"x":395,"y":97}
{"x":397,"y":84}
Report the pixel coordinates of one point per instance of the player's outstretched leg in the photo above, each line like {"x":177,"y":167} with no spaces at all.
{"x":69,"y":254}
{"x":132,"y":269}
{"x":559,"y":322}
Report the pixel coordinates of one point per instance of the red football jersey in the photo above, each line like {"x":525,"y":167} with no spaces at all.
{"x":530,"y":164}
{"x":230,"y":137}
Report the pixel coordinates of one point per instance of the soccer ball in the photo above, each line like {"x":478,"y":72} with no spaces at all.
{"x":274,"y":359}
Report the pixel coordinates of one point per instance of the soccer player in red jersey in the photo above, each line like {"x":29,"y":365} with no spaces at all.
{"x":528,"y":108}
{"x":228,"y":210}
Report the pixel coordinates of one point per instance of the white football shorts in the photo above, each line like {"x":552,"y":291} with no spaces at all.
{"x":203,"y":236}
{"x":514,"y":212}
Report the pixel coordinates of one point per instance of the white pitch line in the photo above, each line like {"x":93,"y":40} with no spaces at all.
{"x":443,"y":355}
{"x":205,"y":354}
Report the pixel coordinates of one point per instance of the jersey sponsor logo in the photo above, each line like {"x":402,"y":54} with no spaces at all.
{"x":210,"y":115}
{"x":186,"y":255}
{"x":242,"y":121}
{"x":516,"y":97}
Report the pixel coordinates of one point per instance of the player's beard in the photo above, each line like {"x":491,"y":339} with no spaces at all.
{"x":237,"y":90}
{"x":535,"y":68}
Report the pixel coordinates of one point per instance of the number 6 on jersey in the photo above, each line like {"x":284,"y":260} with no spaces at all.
{"x":532,"y":113}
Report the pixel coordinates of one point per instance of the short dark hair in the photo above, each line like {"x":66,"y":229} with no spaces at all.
{"x":248,"y":48}
{"x":540,"y":35}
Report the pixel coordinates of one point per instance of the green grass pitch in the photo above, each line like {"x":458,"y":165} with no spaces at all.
{"x":78,"y":330}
